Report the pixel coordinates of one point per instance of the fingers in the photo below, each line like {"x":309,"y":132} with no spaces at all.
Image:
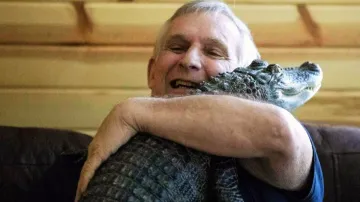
{"x":113,"y":133}
{"x":95,"y":157}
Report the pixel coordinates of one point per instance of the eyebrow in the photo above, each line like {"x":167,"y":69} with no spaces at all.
{"x":207,"y":41}
{"x":216,"y":43}
{"x":177,"y":38}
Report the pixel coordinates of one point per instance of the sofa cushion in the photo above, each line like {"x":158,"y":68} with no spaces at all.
{"x":338,"y":148}
{"x":30,"y":158}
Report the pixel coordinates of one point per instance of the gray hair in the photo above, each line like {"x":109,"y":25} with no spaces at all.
{"x":246,"y":49}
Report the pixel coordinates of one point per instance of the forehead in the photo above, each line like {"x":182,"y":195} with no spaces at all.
{"x":200,"y":26}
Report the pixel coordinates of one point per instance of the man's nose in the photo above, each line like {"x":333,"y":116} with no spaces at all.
{"x":192,"y":59}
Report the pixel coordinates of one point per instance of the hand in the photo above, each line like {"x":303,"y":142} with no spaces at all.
{"x":116,"y":129}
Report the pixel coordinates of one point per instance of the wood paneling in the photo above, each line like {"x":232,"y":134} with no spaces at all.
{"x":56,"y":1}
{"x":338,"y":25}
{"x":234,"y":2}
{"x":336,"y":107}
{"x":126,"y":67}
{"x":90,"y":132}
{"x":73,"y":67}
{"x":60,"y":108}
{"x":75,"y":87}
{"x":227,"y":1}
{"x":126,"y":23}
{"x":22,"y":22}
{"x":271,"y":25}
{"x":85,"y":109}
{"x":97,"y":53}
{"x":138,"y":23}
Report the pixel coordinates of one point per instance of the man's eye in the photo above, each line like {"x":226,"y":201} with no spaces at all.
{"x":214,"y":53}
{"x":177,"y":49}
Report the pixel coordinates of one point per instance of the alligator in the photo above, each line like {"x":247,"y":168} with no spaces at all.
{"x":149,"y":168}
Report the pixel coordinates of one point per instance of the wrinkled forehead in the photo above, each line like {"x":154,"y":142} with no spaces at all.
{"x":197,"y":26}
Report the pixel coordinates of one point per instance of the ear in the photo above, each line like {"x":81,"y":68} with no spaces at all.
{"x":150,"y":72}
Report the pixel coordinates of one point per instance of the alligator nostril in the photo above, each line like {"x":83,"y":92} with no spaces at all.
{"x":315,"y":68}
{"x":311,"y":66}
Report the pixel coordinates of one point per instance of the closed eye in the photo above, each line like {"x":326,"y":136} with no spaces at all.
{"x":214,"y":53}
{"x":177,"y":49}
{"x":177,"y":44}
{"x":214,"y":48}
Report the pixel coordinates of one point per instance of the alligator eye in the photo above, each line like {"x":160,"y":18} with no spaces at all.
{"x":258,"y":64}
{"x":274,"y":68}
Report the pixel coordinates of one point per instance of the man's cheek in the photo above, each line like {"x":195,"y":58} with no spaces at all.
{"x":226,"y":66}
{"x":215,"y":70}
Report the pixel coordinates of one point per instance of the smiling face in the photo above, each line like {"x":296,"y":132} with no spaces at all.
{"x":197,"y":46}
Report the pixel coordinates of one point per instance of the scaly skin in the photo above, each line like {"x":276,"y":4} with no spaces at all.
{"x":149,"y":168}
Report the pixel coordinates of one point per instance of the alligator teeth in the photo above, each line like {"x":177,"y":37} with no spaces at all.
{"x":309,"y":88}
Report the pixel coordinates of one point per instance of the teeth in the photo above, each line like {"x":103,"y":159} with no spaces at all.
{"x":185,"y":83}
{"x":309,"y":88}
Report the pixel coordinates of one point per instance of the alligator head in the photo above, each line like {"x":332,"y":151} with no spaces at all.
{"x":286,"y":87}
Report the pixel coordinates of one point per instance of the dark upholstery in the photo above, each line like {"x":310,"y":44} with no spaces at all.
{"x":38,"y":164}
{"x":338,"y":148}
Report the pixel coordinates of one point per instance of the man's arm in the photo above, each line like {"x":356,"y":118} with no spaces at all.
{"x":221,"y":125}
{"x":273,"y":144}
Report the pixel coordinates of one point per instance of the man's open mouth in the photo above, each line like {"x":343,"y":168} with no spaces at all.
{"x":177,"y":83}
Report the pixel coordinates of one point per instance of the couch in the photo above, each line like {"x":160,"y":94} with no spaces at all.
{"x":43,"y":164}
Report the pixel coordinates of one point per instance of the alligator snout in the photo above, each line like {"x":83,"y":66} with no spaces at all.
{"x":311,"y":66}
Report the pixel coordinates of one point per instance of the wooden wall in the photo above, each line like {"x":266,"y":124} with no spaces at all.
{"x":65,"y":64}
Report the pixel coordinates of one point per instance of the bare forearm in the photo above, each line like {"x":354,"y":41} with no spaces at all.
{"x":234,"y":127}
{"x":222,"y":125}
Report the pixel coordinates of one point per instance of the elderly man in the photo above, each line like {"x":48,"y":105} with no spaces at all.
{"x":203,"y":39}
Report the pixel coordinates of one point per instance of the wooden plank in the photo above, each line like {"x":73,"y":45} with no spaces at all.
{"x":139,"y":23}
{"x":90,"y":132}
{"x":22,"y":22}
{"x":81,"y":109}
{"x":51,"y":1}
{"x":125,"y":67}
{"x":73,"y":67}
{"x":284,"y":24}
{"x":338,"y":25}
{"x":84,"y":110}
{"x":232,"y":2}
{"x":129,"y":24}
{"x":332,"y":107}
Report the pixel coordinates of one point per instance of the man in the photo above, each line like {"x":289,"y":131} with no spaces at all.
{"x":203,"y":39}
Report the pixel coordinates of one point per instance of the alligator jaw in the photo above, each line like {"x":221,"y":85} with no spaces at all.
{"x":294,"y":91}
{"x":291,"y":100}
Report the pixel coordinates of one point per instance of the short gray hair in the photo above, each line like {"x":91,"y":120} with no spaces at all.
{"x":246,"y":49}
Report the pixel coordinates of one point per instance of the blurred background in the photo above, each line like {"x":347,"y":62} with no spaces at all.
{"x":65,"y":64}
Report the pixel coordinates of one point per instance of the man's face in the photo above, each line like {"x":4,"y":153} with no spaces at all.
{"x":197,"y":47}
